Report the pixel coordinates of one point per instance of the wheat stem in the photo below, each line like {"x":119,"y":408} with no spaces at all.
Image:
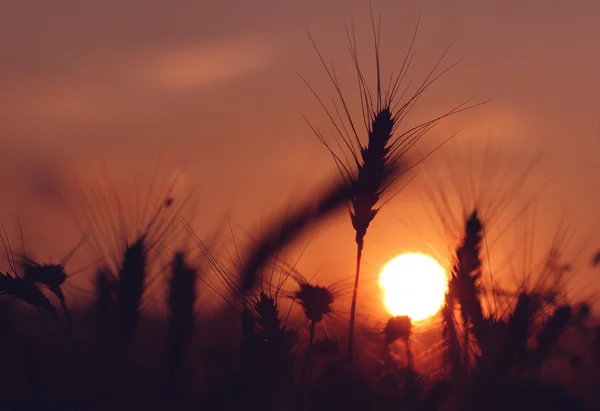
{"x":359,"y":249}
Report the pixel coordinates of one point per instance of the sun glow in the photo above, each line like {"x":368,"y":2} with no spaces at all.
{"x":414,"y":284}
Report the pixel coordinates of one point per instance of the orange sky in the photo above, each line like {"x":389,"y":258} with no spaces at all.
{"x":213,"y":89}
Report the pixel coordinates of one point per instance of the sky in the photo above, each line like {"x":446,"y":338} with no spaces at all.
{"x":214,"y":91}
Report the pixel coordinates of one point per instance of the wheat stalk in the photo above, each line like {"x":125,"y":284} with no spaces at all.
{"x":452,"y":356}
{"x":373,"y":167}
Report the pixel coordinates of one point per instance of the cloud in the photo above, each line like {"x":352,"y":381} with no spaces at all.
{"x":91,"y":89}
{"x":207,"y":64}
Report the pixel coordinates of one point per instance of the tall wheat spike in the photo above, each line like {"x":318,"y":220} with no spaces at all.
{"x":464,"y":287}
{"x":400,"y":328}
{"x":551,"y":331}
{"x":132,"y":274}
{"x":20,"y":289}
{"x":52,"y":276}
{"x":372,"y":167}
{"x":316,"y":302}
{"x":15,"y":287}
{"x":182,"y":295}
{"x":518,"y":331}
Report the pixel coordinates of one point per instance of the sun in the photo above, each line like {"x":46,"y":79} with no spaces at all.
{"x":413,"y":284}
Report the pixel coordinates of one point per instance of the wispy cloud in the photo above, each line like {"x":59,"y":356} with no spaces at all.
{"x":89,"y":89}
{"x":207,"y":64}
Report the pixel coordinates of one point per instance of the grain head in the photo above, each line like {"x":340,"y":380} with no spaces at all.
{"x":132,"y":275}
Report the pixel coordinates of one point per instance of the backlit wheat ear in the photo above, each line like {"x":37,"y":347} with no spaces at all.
{"x":373,"y":167}
{"x":276,"y":339}
{"x":50,"y":275}
{"x":372,"y":176}
{"x":251,"y":341}
{"x":272,"y":331}
{"x":464,"y":284}
{"x":400,"y":328}
{"x":182,"y":295}
{"x":316,"y":302}
{"x":132,"y":275}
{"x":518,"y":330}
{"x":551,"y":331}
{"x":20,"y":289}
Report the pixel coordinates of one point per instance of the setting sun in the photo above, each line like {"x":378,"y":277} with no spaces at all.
{"x":414,"y":284}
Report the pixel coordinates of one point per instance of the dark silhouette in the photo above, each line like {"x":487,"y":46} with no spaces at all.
{"x":280,"y":345}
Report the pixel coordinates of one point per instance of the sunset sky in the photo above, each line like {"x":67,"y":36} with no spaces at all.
{"x":212,"y":89}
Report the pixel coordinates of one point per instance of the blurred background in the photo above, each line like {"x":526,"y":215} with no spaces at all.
{"x":210,"y":93}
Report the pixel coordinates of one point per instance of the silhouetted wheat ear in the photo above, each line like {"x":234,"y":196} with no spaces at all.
{"x":400,"y":328}
{"x":52,"y":276}
{"x":464,"y":286}
{"x":130,"y":289}
{"x":372,"y":173}
{"x":20,"y":289}
{"x":277,"y":340}
{"x":518,"y":330}
{"x":397,"y":328}
{"x":182,"y":295}
{"x":48,"y":274}
{"x":369,"y":184}
{"x":315,"y":300}
{"x":251,"y":340}
{"x":551,"y":331}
